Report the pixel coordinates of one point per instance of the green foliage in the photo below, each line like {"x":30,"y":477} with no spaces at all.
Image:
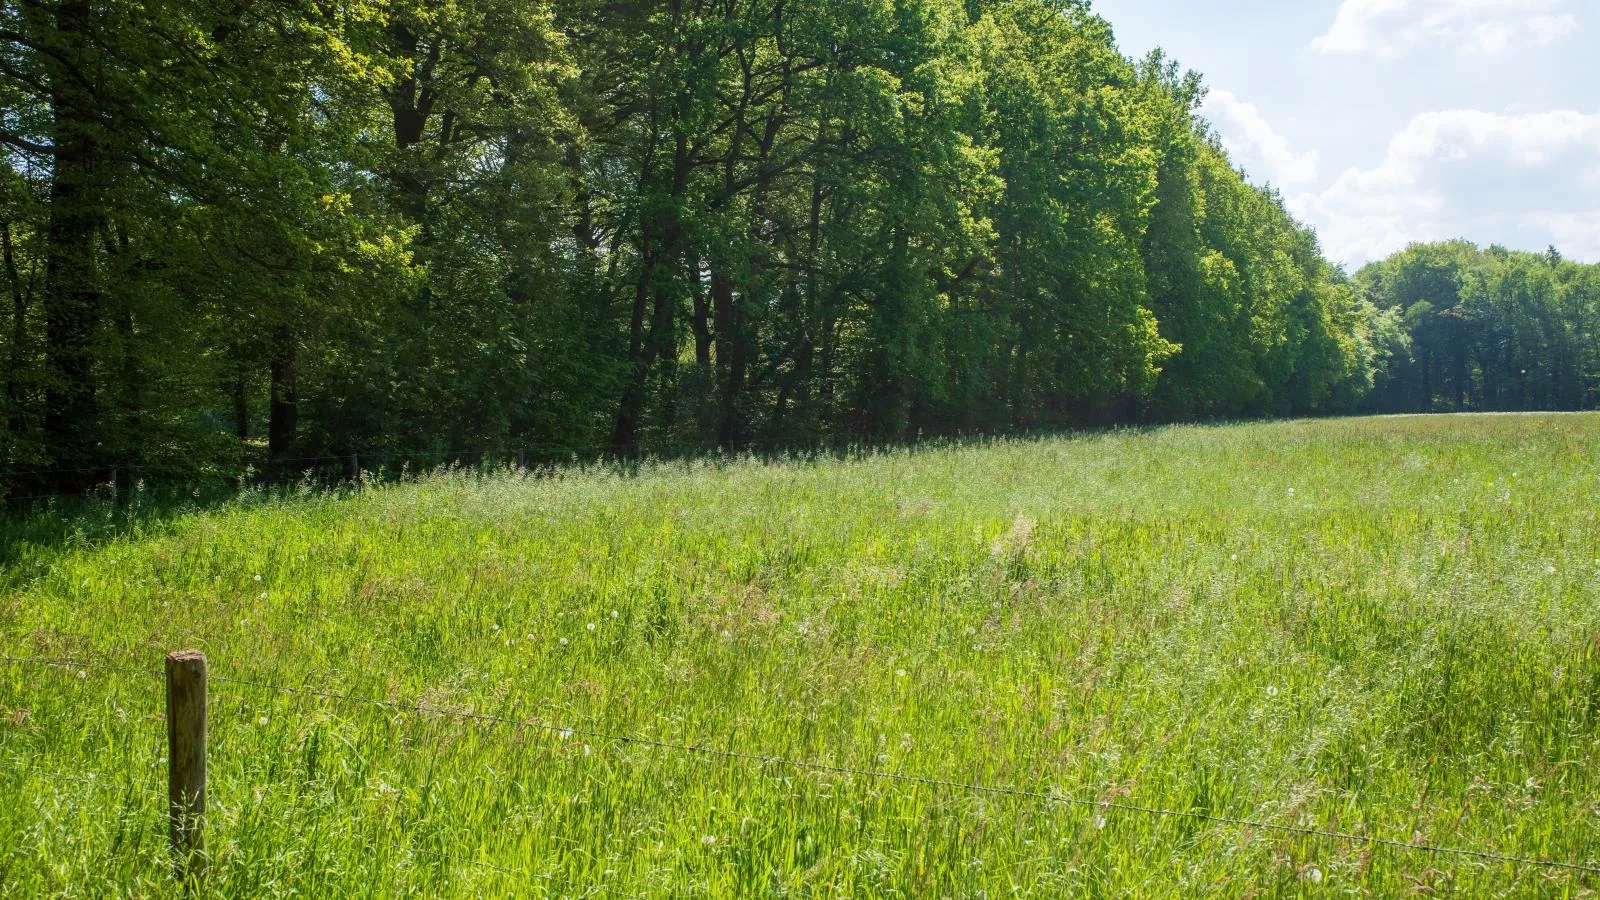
{"x":1488,"y":329}
{"x":247,"y":232}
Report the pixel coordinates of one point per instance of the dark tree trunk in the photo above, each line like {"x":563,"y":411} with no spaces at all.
{"x":16,"y":401}
{"x":284,"y":412}
{"x":130,"y":393}
{"x":660,"y":271}
{"x":625,"y":433}
{"x":241,"y":409}
{"x":701,"y":324}
{"x":72,"y":293}
{"x":732,"y":361}
{"x":132,"y":412}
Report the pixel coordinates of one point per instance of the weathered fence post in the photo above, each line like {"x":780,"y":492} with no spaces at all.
{"x":355,"y":468}
{"x":186,"y":762}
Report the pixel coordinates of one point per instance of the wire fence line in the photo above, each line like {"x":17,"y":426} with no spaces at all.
{"x":1048,"y":797}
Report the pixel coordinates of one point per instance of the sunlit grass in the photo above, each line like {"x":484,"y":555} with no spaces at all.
{"x":1388,"y":626}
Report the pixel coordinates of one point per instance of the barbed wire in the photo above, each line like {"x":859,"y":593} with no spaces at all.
{"x":567,"y":732}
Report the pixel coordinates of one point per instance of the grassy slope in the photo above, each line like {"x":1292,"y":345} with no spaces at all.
{"x":1389,"y":626}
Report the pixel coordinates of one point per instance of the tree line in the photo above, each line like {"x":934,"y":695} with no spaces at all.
{"x":1492,"y":330}
{"x":248,"y":232}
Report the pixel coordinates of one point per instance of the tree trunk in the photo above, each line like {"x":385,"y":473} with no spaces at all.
{"x":284,"y":412}
{"x":241,"y":409}
{"x":16,"y":419}
{"x":701,"y":324}
{"x":72,"y":293}
{"x":732,"y":361}
{"x":660,"y":269}
{"x":625,"y":433}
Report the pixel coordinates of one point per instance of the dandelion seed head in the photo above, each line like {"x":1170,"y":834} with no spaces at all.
{"x":563,"y":642}
{"x":708,"y":840}
{"x":258,"y":577}
{"x":262,"y":720}
{"x":591,"y":626}
{"x":82,"y":674}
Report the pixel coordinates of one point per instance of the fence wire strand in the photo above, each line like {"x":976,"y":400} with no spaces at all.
{"x":868,"y":774}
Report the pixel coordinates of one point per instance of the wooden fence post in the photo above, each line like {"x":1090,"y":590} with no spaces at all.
{"x":186,"y":762}
{"x":355,"y":469}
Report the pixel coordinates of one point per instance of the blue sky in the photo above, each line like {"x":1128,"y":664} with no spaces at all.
{"x":1384,"y":122}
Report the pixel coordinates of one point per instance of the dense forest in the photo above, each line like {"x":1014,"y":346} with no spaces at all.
{"x":256,"y":232}
{"x":1488,"y":329}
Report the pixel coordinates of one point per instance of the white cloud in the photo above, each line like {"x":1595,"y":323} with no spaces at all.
{"x":1473,"y":174}
{"x":1549,"y":29}
{"x":1577,"y":235}
{"x":1394,"y":28}
{"x":1256,"y":145}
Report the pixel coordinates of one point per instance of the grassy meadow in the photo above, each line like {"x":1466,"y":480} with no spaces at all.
{"x":1388,"y":627}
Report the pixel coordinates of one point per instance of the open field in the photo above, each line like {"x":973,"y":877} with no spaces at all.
{"x":1389,"y":627}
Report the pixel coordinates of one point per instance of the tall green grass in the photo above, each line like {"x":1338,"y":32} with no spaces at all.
{"x":1388,"y":627}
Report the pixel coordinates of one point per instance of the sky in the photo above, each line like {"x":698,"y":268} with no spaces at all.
{"x":1386,"y":122}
